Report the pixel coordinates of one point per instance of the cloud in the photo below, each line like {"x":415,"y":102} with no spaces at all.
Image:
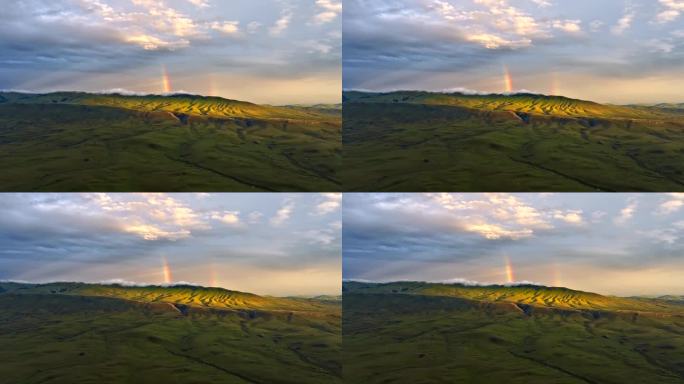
{"x":330,"y":9}
{"x":673,"y":8}
{"x":227,"y":217}
{"x":624,"y":23}
{"x":570,"y":216}
{"x":673,"y":204}
{"x":282,"y":23}
{"x":331,"y":203}
{"x":200,"y":3}
{"x":226,"y":27}
{"x":283,"y":214}
{"x":569,"y":26}
{"x":627,"y":212}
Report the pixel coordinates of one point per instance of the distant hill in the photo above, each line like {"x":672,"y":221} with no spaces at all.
{"x":74,"y":141}
{"x":524,"y":103}
{"x":187,"y":295}
{"x":534,"y":295}
{"x":414,"y":141}
{"x":178,"y":104}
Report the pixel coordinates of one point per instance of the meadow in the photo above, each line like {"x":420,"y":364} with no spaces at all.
{"x":80,"y":333}
{"x":421,"y":141}
{"x":85,"y":142}
{"x":437,"y":333}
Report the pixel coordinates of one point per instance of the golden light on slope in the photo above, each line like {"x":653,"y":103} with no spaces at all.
{"x":166,"y":270}
{"x":508,"y":81}
{"x":166,"y":82}
{"x":510,"y":277}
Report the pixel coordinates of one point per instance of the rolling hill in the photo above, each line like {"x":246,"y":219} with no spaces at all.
{"x":94,"y":333}
{"x":419,"y":141}
{"x":444,"y":333}
{"x":70,"y":141}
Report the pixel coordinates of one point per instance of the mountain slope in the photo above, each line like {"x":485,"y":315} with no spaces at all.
{"x":420,"y":141}
{"x":85,"y":142}
{"x":91,"y":333}
{"x":541,"y":296}
{"x":445,"y":333}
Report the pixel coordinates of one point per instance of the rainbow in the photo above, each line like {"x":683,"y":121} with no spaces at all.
{"x":510,"y":277}
{"x":508,"y":81}
{"x":166,"y":82}
{"x":166,"y":271}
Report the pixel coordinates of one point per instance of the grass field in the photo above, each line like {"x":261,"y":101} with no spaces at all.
{"x":84,"y":142}
{"x":436,"y":333}
{"x":77,"y":333}
{"x":420,"y":141}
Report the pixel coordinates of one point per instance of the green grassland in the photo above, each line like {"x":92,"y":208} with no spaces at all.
{"x":86,"y":142}
{"x":437,"y":333}
{"x":79,"y":333}
{"x":420,"y":141}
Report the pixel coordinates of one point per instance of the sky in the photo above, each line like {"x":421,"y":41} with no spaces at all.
{"x":264,"y":51}
{"x":610,"y":51}
{"x":270,"y":244}
{"x":616,"y":244}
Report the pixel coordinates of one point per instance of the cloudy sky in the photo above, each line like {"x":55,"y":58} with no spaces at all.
{"x":621,"y":244}
{"x":276,"y":244}
{"x":616,"y":51}
{"x":265,"y":51}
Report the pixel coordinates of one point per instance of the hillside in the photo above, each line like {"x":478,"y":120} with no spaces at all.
{"x":92,"y":333}
{"x":538,"y":296}
{"x":418,"y":141}
{"x":178,"y":104}
{"x":444,"y":333}
{"x":91,"y":142}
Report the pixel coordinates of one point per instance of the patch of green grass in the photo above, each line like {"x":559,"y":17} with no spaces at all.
{"x":413,"y":336}
{"x":76,"y":335}
{"x":418,"y":141}
{"x":81,"y":142}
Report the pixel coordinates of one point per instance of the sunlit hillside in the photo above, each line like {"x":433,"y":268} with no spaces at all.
{"x":94,"y":142}
{"x":413,"y":141}
{"x":93,"y":333}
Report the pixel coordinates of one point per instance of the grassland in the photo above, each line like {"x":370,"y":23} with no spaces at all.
{"x":79,"y":333}
{"x":420,"y":141}
{"x":436,"y":333}
{"x":85,"y":142}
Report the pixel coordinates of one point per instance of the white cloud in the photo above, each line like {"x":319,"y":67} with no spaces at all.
{"x":673,"y":204}
{"x":569,"y":216}
{"x":329,"y":9}
{"x":331,"y":203}
{"x":227,"y":217}
{"x":200,"y":3}
{"x":227,"y":27}
{"x":282,"y":23}
{"x":495,"y":232}
{"x":254,"y":217}
{"x":569,"y":26}
{"x":672,"y":11}
{"x":627,"y":212}
{"x":624,"y":23}
{"x":542,"y":3}
{"x":283,"y":214}
{"x":152,"y":216}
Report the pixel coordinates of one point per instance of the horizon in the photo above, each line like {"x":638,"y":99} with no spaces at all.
{"x":268,"y":244}
{"x":127,"y":93}
{"x":620,"y":245}
{"x":292,"y":49}
{"x":613,"y":52}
